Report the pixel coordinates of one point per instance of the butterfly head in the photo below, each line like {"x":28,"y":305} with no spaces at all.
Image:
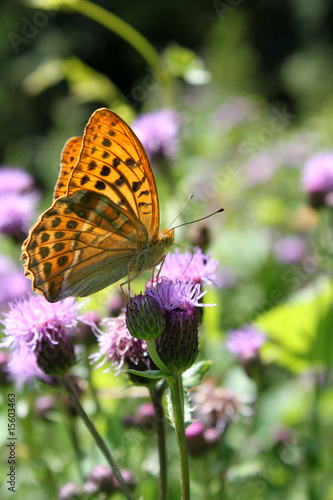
{"x":166,"y":236}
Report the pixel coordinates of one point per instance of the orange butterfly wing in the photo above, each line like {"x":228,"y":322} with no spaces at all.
{"x":107,"y":220}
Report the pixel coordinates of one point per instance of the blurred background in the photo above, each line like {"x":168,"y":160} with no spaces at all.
{"x":249,"y":86}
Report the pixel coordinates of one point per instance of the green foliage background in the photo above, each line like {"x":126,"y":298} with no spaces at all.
{"x":278,"y":55}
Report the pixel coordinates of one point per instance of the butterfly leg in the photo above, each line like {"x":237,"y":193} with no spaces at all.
{"x":131,"y":269}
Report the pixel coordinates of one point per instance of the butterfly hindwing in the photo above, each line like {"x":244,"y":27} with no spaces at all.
{"x":69,"y":158}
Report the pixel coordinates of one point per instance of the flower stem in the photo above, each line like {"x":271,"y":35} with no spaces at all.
{"x":121,"y":28}
{"x":175,"y":383}
{"x":68,"y":386}
{"x":156,"y":397}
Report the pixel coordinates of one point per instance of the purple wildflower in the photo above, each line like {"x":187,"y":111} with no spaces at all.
{"x":260,"y":169}
{"x":117,"y":346}
{"x":176,"y":294}
{"x":289,"y":249}
{"x":16,"y":213}
{"x":158,"y":131}
{"x":194,"y":267}
{"x":245,"y":342}
{"x":235,"y":111}
{"x":15,"y":180}
{"x":178,"y":344}
{"x":17,"y":201}
{"x":23,"y":368}
{"x":35,"y":326}
{"x":13,"y":282}
{"x":318,"y":177}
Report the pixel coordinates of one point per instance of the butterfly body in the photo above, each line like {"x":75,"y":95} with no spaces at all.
{"x":104,"y":222}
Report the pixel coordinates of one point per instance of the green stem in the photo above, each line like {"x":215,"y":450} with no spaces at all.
{"x":68,"y":386}
{"x":121,"y":28}
{"x":155,"y":357}
{"x":175,"y":383}
{"x":156,"y":397}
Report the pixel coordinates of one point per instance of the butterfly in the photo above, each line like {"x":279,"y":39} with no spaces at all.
{"x":103,"y":224}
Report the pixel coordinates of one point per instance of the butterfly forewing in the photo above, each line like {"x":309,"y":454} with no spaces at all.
{"x":82,"y":231}
{"x":69,"y":158}
{"x":113,"y":162}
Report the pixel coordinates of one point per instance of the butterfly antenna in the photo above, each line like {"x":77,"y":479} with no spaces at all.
{"x":182,"y":210}
{"x":198,"y":220}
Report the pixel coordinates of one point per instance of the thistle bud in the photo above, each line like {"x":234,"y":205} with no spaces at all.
{"x":55,"y":358}
{"x":144,"y":318}
{"x":178,"y":346}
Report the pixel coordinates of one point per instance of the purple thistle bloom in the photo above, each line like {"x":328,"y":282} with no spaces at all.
{"x":15,"y":180}
{"x":158,"y":131}
{"x":23,"y":369}
{"x":318,"y":173}
{"x":35,"y":326}
{"x":18,"y":200}
{"x":245,"y":342}
{"x":16,"y":212}
{"x":176,"y":294}
{"x":13,"y":282}
{"x":289,"y":249}
{"x":178,"y":344}
{"x":260,"y":169}
{"x":117,"y":346}
{"x":194,"y":267}
{"x":30,"y":320}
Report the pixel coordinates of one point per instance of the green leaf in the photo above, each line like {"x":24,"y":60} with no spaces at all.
{"x":299,"y":332}
{"x":194,"y":375}
{"x":153,"y":374}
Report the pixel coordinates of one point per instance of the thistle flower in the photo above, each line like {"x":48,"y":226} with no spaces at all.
{"x":15,"y":180}
{"x":39,"y":331}
{"x":178,"y":345}
{"x":16,"y":213}
{"x":245,"y":342}
{"x":158,"y":131}
{"x":102,"y":480}
{"x":193,"y":267}
{"x":18,"y":200}
{"x":119,"y":348}
{"x":318,"y":178}
{"x":289,"y":249}
{"x":13,"y":282}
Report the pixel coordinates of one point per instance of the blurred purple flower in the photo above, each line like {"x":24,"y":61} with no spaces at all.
{"x":245,"y":342}
{"x":260,"y":169}
{"x":158,"y":131}
{"x":318,"y":177}
{"x":289,"y":249}
{"x":235,"y":111}
{"x":193,"y":267}
{"x":18,"y":200}
{"x":226,"y":278}
{"x":13,"y":282}
{"x":15,"y":180}
{"x":16,"y":213}
{"x":117,"y":346}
